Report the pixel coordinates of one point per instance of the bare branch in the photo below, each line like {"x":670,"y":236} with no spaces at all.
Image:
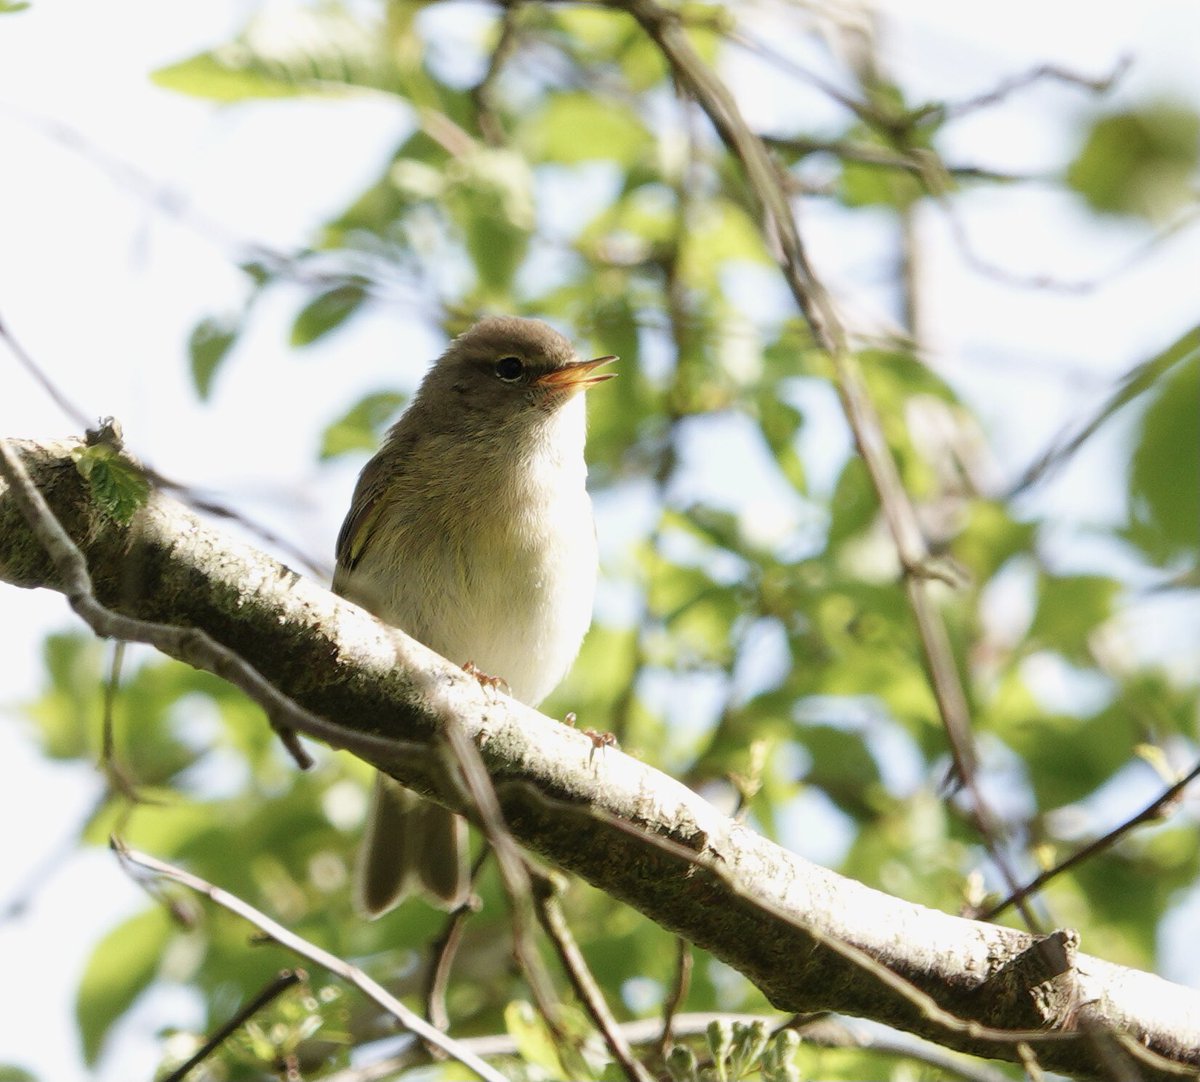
{"x":782,"y":236}
{"x":189,"y":644}
{"x":554,"y":922}
{"x":868,"y":154}
{"x":444,"y":949}
{"x":1042,"y":73}
{"x":1153,"y":811}
{"x":298,"y":945}
{"x":822,"y":1033}
{"x":811,"y":940}
{"x":288,"y":978}
{"x":684,"y":961}
{"x":481,"y":801}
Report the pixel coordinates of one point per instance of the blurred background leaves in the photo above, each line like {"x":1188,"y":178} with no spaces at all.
{"x":753,"y":634}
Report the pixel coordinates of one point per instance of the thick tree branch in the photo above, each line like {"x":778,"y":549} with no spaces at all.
{"x":811,"y":940}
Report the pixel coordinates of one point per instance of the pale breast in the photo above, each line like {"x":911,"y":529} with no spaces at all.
{"x":500,"y":572}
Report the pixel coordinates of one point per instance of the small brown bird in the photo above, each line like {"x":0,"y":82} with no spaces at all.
{"x":471,"y":530}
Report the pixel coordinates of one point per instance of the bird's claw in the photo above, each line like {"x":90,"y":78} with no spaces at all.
{"x":486,"y":680}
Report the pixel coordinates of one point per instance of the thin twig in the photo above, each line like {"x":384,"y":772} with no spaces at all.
{"x":192,"y":644}
{"x":26,"y":361}
{"x":684,"y":962}
{"x":811,"y":297}
{"x":289,"y":940}
{"x":586,"y":988}
{"x":467,"y":766}
{"x":483,"y":93}
{"x":444,"y":949}
{"x":286,"y":979}
{"x":1154,"y":810}
{"x":191,"y":496}
{"x":838,"y":1033}
{"x":868,"y":154}
{"x":114,"y":770}
{"x":1042,"y":73}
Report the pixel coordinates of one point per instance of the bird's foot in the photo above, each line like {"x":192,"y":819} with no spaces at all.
{"x":599,"y":740}
{"x":486,"y":680}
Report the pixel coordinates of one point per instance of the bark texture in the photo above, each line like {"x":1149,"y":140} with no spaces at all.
{"x":810,"y":939}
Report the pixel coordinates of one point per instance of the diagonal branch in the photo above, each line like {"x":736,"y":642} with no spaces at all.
{"x":1152,"y":812}
{"x":779,"y":227}
{"x":298,"y":945}
{"x":810,"y":939}
{"x":286,"y":979}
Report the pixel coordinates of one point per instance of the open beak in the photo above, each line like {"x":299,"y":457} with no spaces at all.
{"x":576,"y":376}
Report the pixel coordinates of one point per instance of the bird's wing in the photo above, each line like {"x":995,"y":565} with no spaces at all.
{"x":355,"y":535}
{"x":382,"y":473}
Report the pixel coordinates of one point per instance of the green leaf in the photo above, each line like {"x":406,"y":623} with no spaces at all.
{"x":990,"y":538}
{"x":842,"y":765}
{"x":698,"y":611}
{"x":208,"y":345}
{"x":532,"y":1036}
{"x":9,"y":7}
{"x":780,"y":423}
{"x":720,"y":1043}
{"x":214,"y":78}
{"x":326,"y":311}
{"x":359,"y":427}
{"x":63,"y":713}
{"x":116,"y":484}
{"x":580,"y":126}
{"x":682,"y":1064}
{"x":1066,"y":757}
{"x":322,"y":49}
{"x":749,"y":1043}
{"x":718,"y":231}
{"x":854,"y":504}
{"x":1070,"y":608}
{"x":777,"y":1063}
{"x":619,"y":410}
{"x":1139,"y":162}
{"x":122,"y":965}
{"x":1164,"y":480}
{"x":489,"y":192}
{"x":866,"y":185}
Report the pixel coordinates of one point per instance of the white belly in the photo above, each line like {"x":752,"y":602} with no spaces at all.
{"x":511,"y":592}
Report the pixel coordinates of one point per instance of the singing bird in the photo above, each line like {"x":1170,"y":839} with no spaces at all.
{"x":471,"y":530}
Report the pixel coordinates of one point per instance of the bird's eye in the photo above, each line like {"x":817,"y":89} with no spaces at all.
{"x":510,"y":369}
